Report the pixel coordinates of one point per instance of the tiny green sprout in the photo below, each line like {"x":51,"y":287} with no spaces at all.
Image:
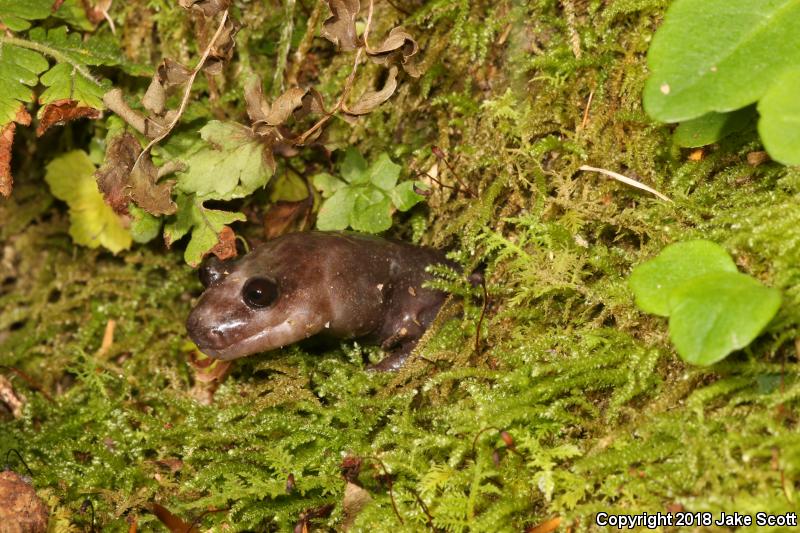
{"x":713,"y":309}
{"x":365,"y":196}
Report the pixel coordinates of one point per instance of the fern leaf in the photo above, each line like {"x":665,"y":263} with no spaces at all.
{"x":19,"y":71}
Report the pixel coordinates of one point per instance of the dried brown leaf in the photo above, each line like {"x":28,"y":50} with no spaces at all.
{"x":283,"y":217}
{"x":257,"y":105}
{"x":355,"y":499}
{"x":21,"y":510}
{"x":6,"y":141}
{"x":208,"y":8}
{"x":171,"y":73}
{"x":340,"y":27}
{"x":372,"y":99}
{"x":154,"y":100}
{"x":172,"y":522}
{"x":398,"y":47}
{"x":97,"y":11}
{"x":283,"y":107}
{"x":12,"y":399}
{"x":153,"y":197}
{"x":226,"y":244}
{"x":120,"y":182}
{"x":60,"y":112}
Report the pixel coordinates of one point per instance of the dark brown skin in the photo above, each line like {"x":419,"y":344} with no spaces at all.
{"x":332,"y":284}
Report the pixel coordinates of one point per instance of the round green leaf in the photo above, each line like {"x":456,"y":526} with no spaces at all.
{"x":779,"y":126}
{"x":371,"y":212}
{"x":712,"y":127}
{"x":144,"y":226}
{"x":404,"y":197}
{"x":715,"y":314}
{"x":719,"y":55}
{"x":653,"y":282}
{"x":335,"y":211}
{"x":383,"y":172}
{"x":354,"y":167}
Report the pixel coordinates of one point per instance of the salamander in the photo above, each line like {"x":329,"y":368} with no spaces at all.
{"x":338,"y":285}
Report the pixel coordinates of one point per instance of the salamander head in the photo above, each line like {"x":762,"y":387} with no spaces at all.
{"x":249,"y":308}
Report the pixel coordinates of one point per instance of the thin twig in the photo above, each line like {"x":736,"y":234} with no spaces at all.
{"x":321,"y":122}
{"x":586,"y":111}
{"x":625,"y":179}
{"x":186,"y":92}
{"x":21,"y":460}
{"x":389,"y":486}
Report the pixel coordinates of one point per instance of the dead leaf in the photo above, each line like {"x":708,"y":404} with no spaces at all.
{"x":302,"y":525}
{"x":56,"y":5}
{"x":21,"y":510}
{"x":208,"y":8}
{"x":12,"y":399}
{"x":372,"y":99}
{"x":340,"y":27}
{"x":755,"y":159}
{"x":226,"y":245}
{"x":60,"y":112}
{"x":399,"y":46}
{"x":286,"y":104}
{"x":98,"y":11}
{"x":153,"y":197}
{"x":355,"y":499}
{"x":120,"y":183}
{"x":172,"y":522}
{"x":171,"y":73}
{"x":284,"y":216}
{"x":6,"y":141}
{"x":548,"y":526}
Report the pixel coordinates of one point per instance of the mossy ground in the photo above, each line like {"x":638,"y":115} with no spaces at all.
{"x":603,"y":414}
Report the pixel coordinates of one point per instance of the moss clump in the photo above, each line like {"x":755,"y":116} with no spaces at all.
{"x":574,"y":402}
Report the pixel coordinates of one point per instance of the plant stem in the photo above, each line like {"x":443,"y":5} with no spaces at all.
{"x":52,"y":52}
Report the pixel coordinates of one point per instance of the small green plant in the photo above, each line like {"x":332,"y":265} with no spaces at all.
{"x":713,"y":309}
{"x":365,"y":196}
{"x":712,"y":59}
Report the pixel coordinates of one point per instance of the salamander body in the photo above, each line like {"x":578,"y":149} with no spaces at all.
{"x":332,"y":284}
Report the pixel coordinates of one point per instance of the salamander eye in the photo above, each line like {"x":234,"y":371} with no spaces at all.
{"x":260,"y":292}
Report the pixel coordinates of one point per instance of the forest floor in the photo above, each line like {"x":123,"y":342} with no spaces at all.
{"x":569,"y":401}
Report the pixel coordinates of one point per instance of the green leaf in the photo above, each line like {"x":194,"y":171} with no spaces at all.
{"x":404,"y":197}
{"x":62,"y":81}
{"x":203,"y":224}
{"x":712,"y":127}
{"x":383,"y":173}
{"x":779,"y":125}
{"x":354,"y":167}
{"x":654,"y":281}
{"x":92,"y":222}
{"x":371,"y":211}
{"x":19,"y":70}
{"x":719,"y":55}
{"x":335,"y":211}
{"x":715,"y":314}
{"x":327,"y":184}
{"x":71,"y":46}
{"x":144,"y":226}
{"x":16,"y":13}
{"x":232,"y":165}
